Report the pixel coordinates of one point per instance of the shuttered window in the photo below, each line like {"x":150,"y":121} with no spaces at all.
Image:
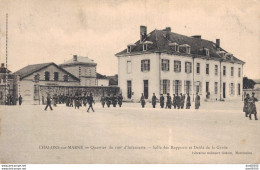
{"x":145,"y":65}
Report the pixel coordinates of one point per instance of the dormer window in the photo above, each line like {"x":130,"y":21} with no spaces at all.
{"x":206,"y":51}
{"x":174,"y":47}
{"x":129,"y":47}
{"x":221,"y":54}
{"x":185,"y":48}
{"x":146,"y":44}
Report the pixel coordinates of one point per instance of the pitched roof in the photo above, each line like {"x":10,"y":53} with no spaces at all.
{"x":30,"y":69}
{"x":100,"y":76}
{"x":113,"y":80}
{"x":160,"y":43}
{"x":79,"y":60}
{"x":257,"y":81}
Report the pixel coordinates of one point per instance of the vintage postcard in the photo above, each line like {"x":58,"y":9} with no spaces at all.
{"x":129,"y":82}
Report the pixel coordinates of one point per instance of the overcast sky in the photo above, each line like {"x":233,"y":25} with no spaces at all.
{"x":52,"y":31}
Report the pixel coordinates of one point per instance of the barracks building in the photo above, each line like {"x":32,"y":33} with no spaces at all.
{"x":164,"y":62}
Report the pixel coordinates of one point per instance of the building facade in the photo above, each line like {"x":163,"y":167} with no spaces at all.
{"x":164,"y":62}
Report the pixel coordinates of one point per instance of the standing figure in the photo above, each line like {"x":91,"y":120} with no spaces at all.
{"x":120,"y":100}
{"x":108,"y":100}
{"x":85,"y":100}
{"x":169,"y":101}
{"x":20,"y":100}
{"x":48,"y":99}
{"x":252,"y":107}
{"x":188,"y":104}
{"x":161,"y":101}
{"x":174,"y":101}
{"x":90,"y":102}
{"x":246,"y":105}
{"x":55,"y":100}
{"x":178,"y":101}
{"x":102,"y":100}
{"x":197,"y":101}
{"x":114,"y":100}
{"x":76,"y":101}
{"x":142,"y":100}
{"x":154,"y":100}
{"x":182,"y":98}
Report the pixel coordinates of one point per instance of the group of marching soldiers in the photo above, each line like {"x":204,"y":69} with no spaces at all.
{"x":249,"y":106}
{"x":177,"y":101}
{"x":114,"y":100}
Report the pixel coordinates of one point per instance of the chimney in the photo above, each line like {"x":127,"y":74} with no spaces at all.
{"x":196,"y":36}
{"x":2,"y":65}
{"x":143,"y":32}
{"x":217,"y":43}
{"x":75,"y":57}
{"x":168,"y":31}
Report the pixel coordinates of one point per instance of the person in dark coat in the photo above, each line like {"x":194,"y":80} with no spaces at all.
{"x":76,"y":101}
{"x":169,"y":101}
{"x":197,"y":101}
{"x":114,"y":100}
{"x":90,"y":102}
{"x":55,"y":100}
{"x":178,"y":101}
{"x":162,"y":101}
{"x":120,"y":100}
{"x":182,"y":98}
{"x":246,"y":105}
{"x":142,"y":100}
{"x":48,"y":100}
{"x":154,"y":100}
{"x":108,"y":100}
{"x":174,"y":101}
{"x":102,"y":100}
{"x":252,"y":107}
{"x":20,"y":100}
{"x":84,"y":100}
{"x":188,"y":104}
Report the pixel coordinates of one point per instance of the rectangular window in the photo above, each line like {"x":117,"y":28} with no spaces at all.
{"x":47,"y":76}
{"x":129,"y":67}
{"x":56,"y":76}
{"x":188,"y":67}
{"x":238,"y":89}
{"x":145,"y":47}
{"x":66,"y":78}
{"x":165,"y":65}
{"x":232,"y":71}
{"x":177,"y":86}
{"x":129,"y":49}
{"x":1,"y":95}
{"x":188,"y":50}
{"x":198,"y":87}
{"x":239,"y":72}
{"x":207,"y":69}
{"x":207,"y":86}
{"x":198,"y":68}
{"x":187,"y":87}
{"x":129,"y":89}
{"x":165,"y":86}
{"x":145,"y":65}
{"x":216,"y":70}
{"x":216,"y":88}
{"x":177,"y":66}
{"x":232,"y":89}
{"x":224,"y":70}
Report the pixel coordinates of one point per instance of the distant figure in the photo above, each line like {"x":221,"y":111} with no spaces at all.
{"x":20,"y":100}
{"x":188,"y":104}
{"x":102,"y":100}
{"x":168,"y":101}
{"x":85,"y":100}
{"x":108,"y":100}
{"x":114,"y":100}
{"x":174,"y":101}
{"x":161,"y":101}
{"x":246,"y":105}
{"x":120,"y":100}
{"x":182,"y":98}
{"x":55,"y":99}
{"x":90,"y":102}
{"x":48,"y":104}
{"x":154,"y":100}
{"x":252,"y":107}
{"x":142,"y":100}
{"x":197,"y":101}
{"x":178,"y":101}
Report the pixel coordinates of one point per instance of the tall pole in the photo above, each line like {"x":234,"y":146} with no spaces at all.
{"x":6,"y":58}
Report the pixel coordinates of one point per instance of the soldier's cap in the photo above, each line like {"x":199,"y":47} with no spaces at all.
{"x":253,"y":93}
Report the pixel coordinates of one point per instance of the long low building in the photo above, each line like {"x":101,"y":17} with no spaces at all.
{"x":164,"y":62}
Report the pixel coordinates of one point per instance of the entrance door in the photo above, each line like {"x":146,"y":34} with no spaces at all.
{"x":129,"y":89}
{"x":146,"y":89}
{"x":224,"y":90}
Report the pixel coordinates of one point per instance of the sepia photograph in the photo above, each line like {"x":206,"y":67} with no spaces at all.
{"x":129,"y":82}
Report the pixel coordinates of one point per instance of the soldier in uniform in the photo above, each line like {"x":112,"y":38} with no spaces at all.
{"x":154,"y":100}
{"x":246,"y":105}
{"x":142,"y":100}
{"x":178,"y":101}
{"x":55,"y":100}
{"x":169,"y":101}
{"x":252,"y":107}
{"x":48,"y":102}
{"x":20,"y":100}
{"x":197,"y":101}
{"x":161,"y":101}
{"x":102,"y":100}
{"x":90,"y":102}
{"x":174,"y":101}
{"x":108,"y":100}
{"x":182,"y":98}
{"x":120,"y":100}
{"x":188,"y":104}
{"x":114,"y":100}
{"x":84,"y":100}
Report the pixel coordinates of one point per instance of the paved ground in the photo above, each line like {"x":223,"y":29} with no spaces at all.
{"x":137,"y":135}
